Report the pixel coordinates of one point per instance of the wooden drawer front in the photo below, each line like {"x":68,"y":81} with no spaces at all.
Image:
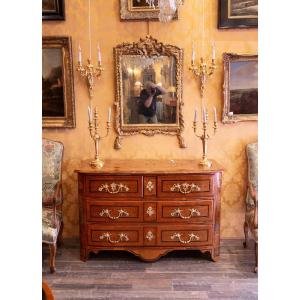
{"x":188,"y":186}
{"x":114,"y":212}
{"x":150,"y":211}
{"x":185,"y":211}
{"x":185,"y":236}
{"x":149,"y":186}
{"x":115,"y":186}
{"x":115,"y":236}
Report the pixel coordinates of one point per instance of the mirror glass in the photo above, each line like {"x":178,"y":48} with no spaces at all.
{"x":148,"y":90}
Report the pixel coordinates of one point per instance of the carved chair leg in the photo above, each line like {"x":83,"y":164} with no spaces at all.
{"x":59,"y":238}
{"x":256,"y":258}
{"x":52,"y":248}
{"x":246,"y":232}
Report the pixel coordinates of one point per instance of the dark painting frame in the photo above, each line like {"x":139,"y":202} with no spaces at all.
{"x":56,"y":15}
{"x":64,"y":98}
{"x":247,"y":98}
{"x":225,"y":22}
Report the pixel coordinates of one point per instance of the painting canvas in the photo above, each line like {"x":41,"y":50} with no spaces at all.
{"x":240,"y":87}
{"x":243,"y":87}
{"x":53,"y":9}
{"x":238,"y":13}
{"x":142,"y":5}
{"x":57,"y":83}
{"x":52,"y":83}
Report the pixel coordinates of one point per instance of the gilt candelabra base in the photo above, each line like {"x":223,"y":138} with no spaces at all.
{"x":205,"y":163}
{"x":97,"y":163}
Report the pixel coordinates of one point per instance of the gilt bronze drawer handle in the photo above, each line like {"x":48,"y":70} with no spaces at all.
{"x":150,"y":186}
{"x":122,"y":213}
{"x":122,"y":237}
{"x":192,"y":238}
{"x":185,"y":188}
{"x":178,"y":213}
{"x":113,"y":188}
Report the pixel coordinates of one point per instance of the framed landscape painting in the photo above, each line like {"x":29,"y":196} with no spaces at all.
{"x":53,"y":10}
{"x":58,"y":104}
{"x":240,"y":88}
{"x":131,"y":10}
{"x":238,"y":14}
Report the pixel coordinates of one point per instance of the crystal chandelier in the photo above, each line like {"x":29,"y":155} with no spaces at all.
{"x":167,"y":8}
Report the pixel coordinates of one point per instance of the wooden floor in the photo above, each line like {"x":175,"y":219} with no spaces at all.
{"x":179,"y":275}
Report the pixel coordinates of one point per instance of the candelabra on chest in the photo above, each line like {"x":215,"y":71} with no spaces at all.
{"x":204,"y":137}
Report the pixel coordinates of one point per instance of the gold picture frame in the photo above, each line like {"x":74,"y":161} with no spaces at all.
{"x":148,"y":48}
{"x":129,"y":11}
{"x":240,"y":88}
{"x":58,"y":100}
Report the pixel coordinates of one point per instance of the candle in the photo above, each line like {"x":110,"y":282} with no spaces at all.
{"x":193,"y":54}
{"x":79,"y":54}
{"x":196,"y":116}
{"x":109,"y":115}
{"x":213,"y":50}
{"x":203,"y":114}
{"x":89,"y":114}
{"x":215,"y":115}
{"x":99,"y":55}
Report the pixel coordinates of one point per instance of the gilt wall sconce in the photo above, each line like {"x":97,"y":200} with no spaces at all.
{"x":89,"y":71}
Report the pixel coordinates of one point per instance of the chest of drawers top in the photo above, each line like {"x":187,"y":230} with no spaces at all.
{"x":142,"y":166}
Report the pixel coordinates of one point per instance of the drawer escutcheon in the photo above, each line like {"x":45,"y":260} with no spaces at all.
{"x":150,"y":211}
{"x":192,"y":237}
{"x":178,"y":213}
{"x":122,"y":213}
{"x":107,"y":236}
{"x":150,"y":186}
{"x":185,"y":188}
{"x":149,"y":235}
{"x":113,"y":188}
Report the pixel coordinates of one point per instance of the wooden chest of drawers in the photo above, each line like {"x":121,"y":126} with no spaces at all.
{"x":150,"y":207}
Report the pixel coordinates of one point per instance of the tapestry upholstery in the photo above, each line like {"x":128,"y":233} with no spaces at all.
{"x":251,"y":205}
{"x":50,"y":231}
{"x":51,"y":190}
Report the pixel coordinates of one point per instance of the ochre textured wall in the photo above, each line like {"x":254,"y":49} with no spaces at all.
{"x":227,"y":147}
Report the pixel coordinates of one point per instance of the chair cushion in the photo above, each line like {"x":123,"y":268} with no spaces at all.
{"x":50,"y":233}
{"x":49,"y":189}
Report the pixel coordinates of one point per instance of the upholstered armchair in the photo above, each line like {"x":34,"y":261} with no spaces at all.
{"x":251,"y":216}
{"x":52,"y":197}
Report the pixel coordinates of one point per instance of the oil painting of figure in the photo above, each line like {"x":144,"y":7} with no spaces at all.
{"x":244,"y":87}
{"x":52,"y":83}
{"x":240,"y":8}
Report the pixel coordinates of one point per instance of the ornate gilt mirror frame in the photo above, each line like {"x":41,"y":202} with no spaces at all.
{"x":148,"y":47}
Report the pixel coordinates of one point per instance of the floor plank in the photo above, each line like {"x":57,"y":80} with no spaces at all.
{"x":179,"y":275}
